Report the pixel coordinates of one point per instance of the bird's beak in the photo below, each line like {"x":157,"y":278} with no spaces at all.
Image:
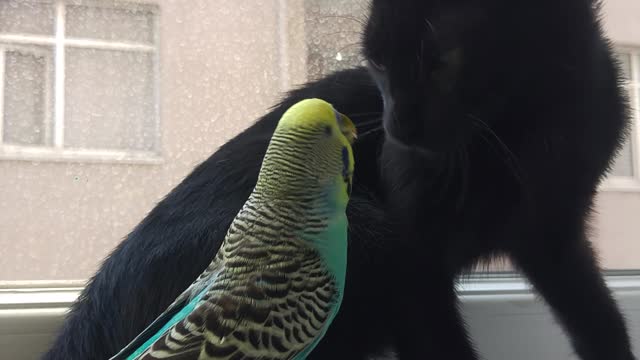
{"x":348,"y":128}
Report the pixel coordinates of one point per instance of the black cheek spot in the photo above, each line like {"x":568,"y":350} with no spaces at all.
{"x":328,"y":131}
{"x":345,"y":169}
{"x":345,"y":162}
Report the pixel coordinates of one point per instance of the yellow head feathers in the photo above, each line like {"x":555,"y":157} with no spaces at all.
{"x":310,"y":151}
{"x":313,"y":112}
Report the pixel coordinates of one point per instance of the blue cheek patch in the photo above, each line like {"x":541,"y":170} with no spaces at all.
{"x":345,"y":169}
{"x":345,"y":162}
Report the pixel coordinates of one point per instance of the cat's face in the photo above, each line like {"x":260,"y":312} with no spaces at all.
{"x":438,"y":64}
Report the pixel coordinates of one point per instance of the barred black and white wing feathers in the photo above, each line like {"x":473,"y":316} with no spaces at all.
{"x":272,"y":297}
{"x":174,"y":314}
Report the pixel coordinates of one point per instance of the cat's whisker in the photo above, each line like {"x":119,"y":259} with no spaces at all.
{"x":368,"y":123}
{"x":348,"y":46}
{"x":369,"y":132}
{"x":430,"y":26}
{"x":492,"y":133}
{"x":507,"y":161}
{"x":372,"y":113}
{"x":343,"y":17}
{"x":511,"y":160}
{"x":364,"y":129}
{"x":342,"y":32}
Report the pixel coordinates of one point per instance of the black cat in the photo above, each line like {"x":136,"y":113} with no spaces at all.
{"x":500,"y":116}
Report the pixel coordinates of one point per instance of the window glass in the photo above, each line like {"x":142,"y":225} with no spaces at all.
{"x":132,"y":24}
{"x":87,"y":90}
{"x":26,"y":17}
{"x":333,"y":32}
{"x":106,"y":105}
{"x":27,"y":95}
{"x":109,"y":99}
{"x":624,"y":59}
{"x":624,"y":164}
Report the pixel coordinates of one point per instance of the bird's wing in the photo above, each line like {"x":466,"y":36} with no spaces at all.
{"x":175,"y":313}
{"x":272,"y":299}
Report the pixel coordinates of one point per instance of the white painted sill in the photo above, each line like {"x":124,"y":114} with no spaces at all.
{"x":505,"y":318}
{"x":53,"y":154}
{"x":621,"y":184}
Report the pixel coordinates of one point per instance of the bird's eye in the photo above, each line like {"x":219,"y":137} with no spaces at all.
{"x":328,"y":131}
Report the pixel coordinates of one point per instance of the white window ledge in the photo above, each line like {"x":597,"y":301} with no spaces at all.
{"x":621,"y":184}
{"x":505,"y":319}
{"x":511,"y":284}
{"x":33,"y":153}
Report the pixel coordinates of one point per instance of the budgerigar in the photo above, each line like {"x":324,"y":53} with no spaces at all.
{"x":277,"y":281}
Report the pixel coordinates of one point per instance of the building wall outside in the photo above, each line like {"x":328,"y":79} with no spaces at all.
{"x":223,"y":64}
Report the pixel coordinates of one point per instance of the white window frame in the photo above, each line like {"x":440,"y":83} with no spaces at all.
{"x":630,"y":183}
{"x":33,"y":311}
{"x":54,"y":149}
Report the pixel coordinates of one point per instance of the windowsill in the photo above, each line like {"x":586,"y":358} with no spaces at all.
{"x":621,"y":184}
{"x":37,"y":154}
{"x":31,"y":312}
{"x":61,"y":294}
{"x":492,"y":284}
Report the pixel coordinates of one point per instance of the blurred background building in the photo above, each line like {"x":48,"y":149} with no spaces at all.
{"x":106,"y":105}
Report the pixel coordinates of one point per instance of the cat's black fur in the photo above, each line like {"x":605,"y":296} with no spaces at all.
{"x":502,"y":116}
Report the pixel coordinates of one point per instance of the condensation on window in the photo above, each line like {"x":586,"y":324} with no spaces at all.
{"x":132,"y":24}
{"x":28,"y":86}
{"x":110,"y":99}
{"x":334,"y":30}
{"x":104,"y":86}
{"x":161,"y":84}
{"x":26,"y":17}
{"x":149,"y":90}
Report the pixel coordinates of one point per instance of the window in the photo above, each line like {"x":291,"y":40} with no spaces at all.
{"x":625,"y":174}
{"x":333,"y":30}
{"x":78,"y":81}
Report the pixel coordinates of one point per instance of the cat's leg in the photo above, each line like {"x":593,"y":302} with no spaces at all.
{"x":341,"y":349}
{"x":565,"y":273}
{"x":429,"y":324}
{"x":357,"y":332}
{"x":346,"y":339}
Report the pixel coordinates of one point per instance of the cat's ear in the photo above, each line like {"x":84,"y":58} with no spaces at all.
{"x":451,"y":30}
